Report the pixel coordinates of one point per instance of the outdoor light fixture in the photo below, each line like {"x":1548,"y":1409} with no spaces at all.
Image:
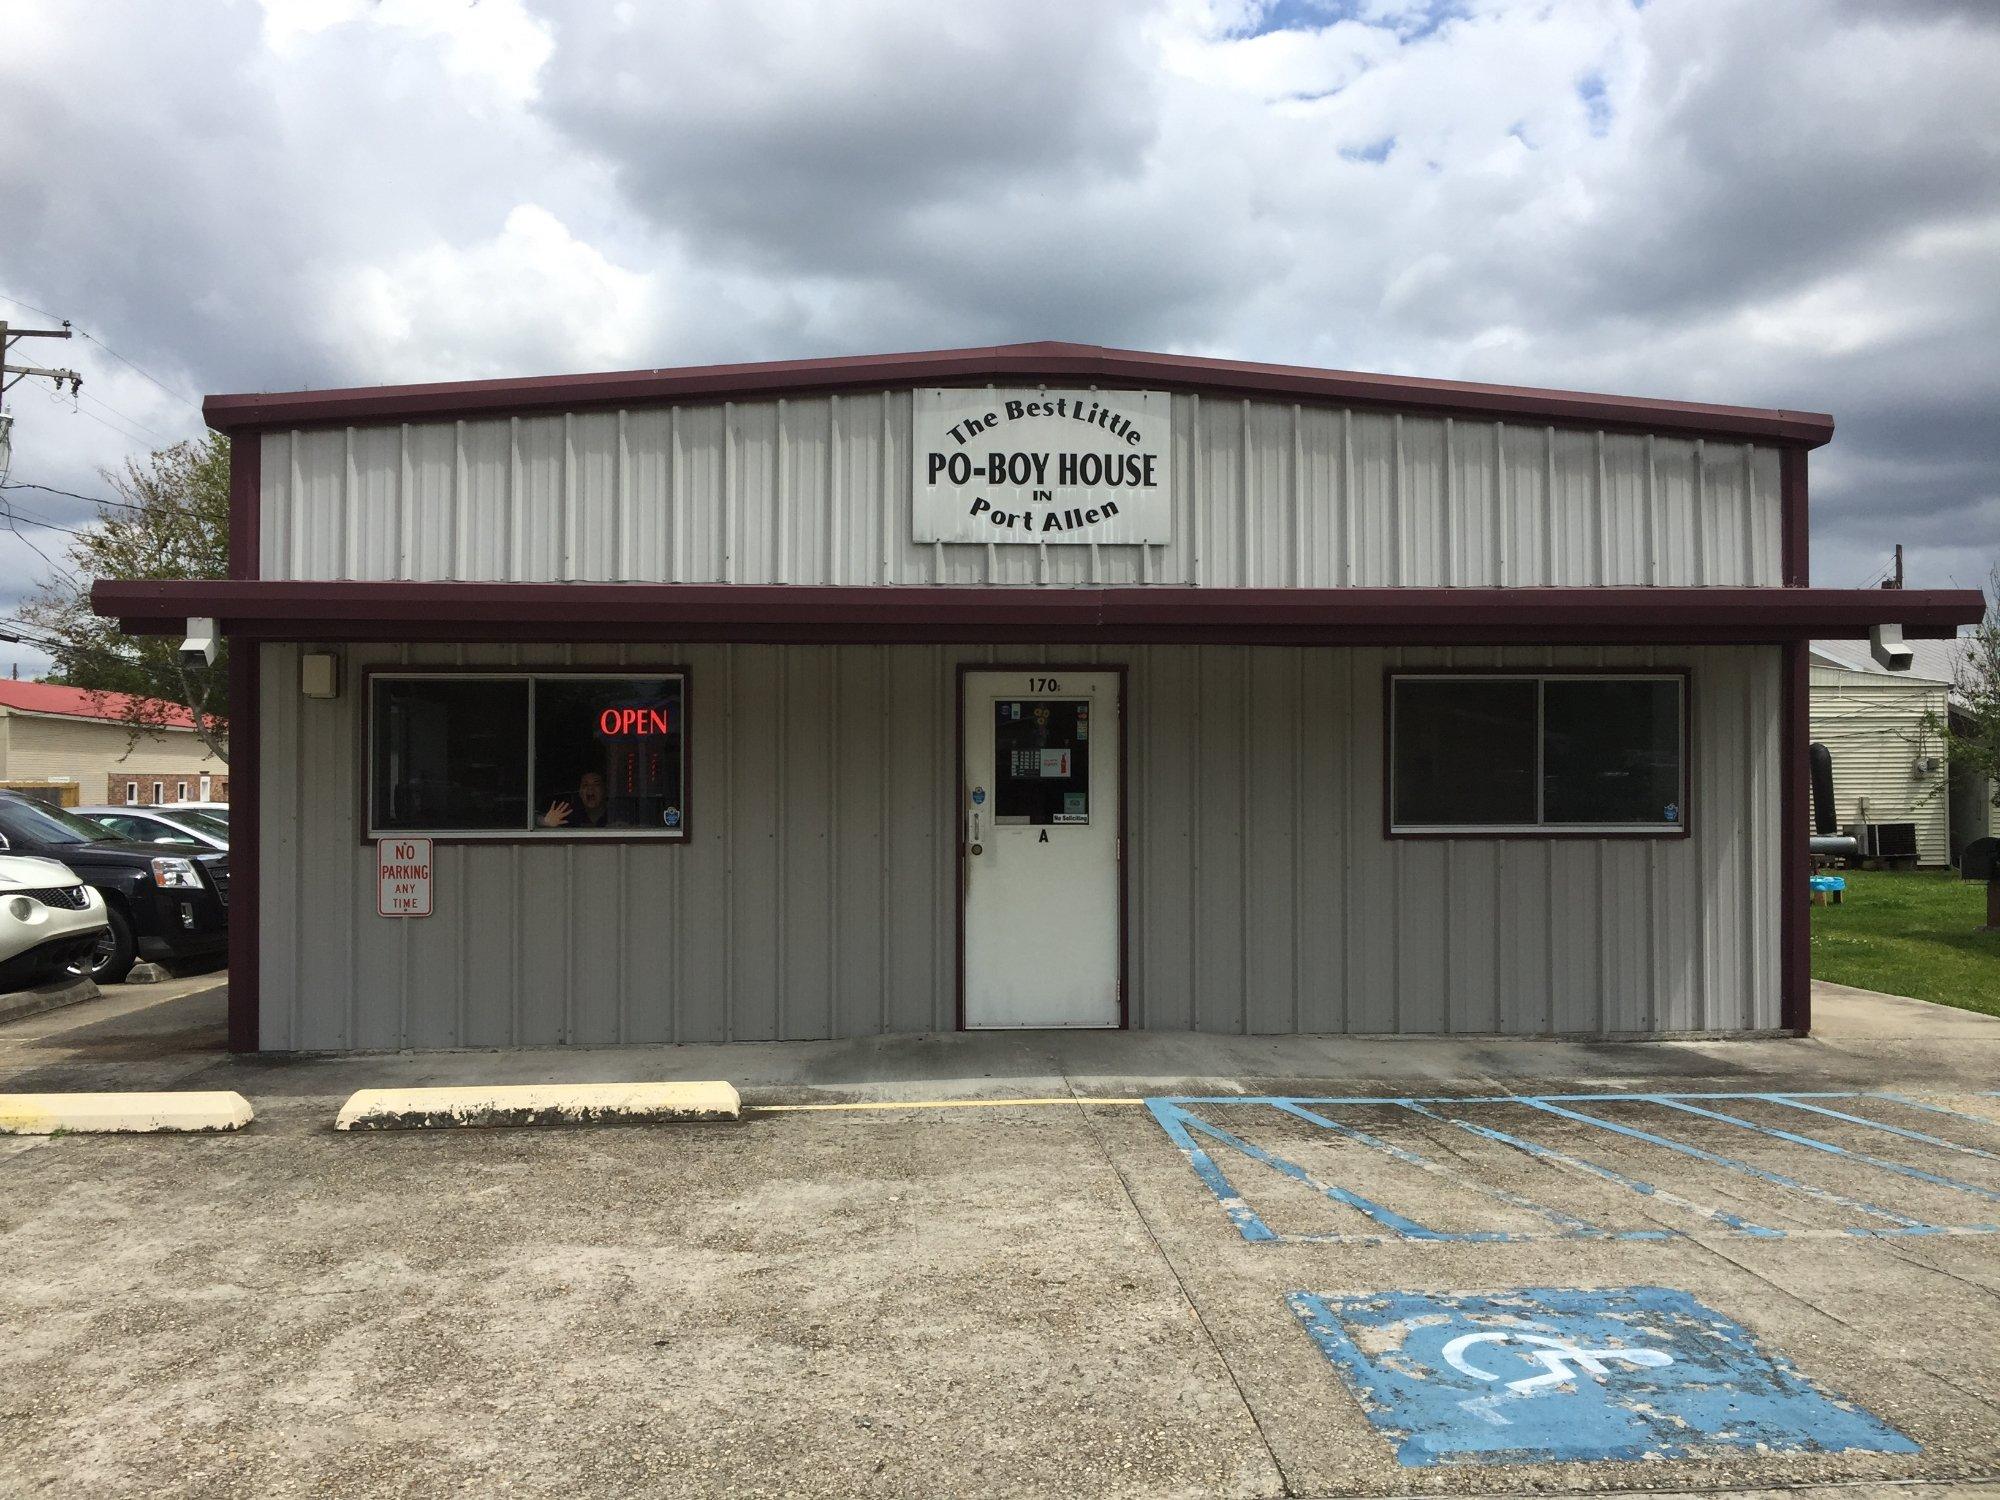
{"x":198,"y":650}
{"x":1886,"y":645}
{"x":319,"y":674}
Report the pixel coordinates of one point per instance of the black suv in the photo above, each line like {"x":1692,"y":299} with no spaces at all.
{"x":167,"y":903}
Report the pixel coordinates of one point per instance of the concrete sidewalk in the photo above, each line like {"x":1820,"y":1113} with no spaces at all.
{"x":173,"y":1038}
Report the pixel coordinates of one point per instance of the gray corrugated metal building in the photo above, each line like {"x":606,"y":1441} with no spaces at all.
{"x":1035,"y":686}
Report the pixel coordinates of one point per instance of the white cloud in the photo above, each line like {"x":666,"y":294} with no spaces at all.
{"x":529,"y":297}
{"x":1791,"y":202}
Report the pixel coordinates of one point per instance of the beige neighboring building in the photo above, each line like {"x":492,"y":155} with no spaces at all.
{"x":1888,"y":767}
{"x":72,"y":747}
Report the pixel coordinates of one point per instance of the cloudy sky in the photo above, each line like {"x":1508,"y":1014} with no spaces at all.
{"x":1765,"y":202}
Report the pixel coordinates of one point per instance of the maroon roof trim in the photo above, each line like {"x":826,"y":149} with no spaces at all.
{"x":404,"y":611}
{"x":1053,"y":362}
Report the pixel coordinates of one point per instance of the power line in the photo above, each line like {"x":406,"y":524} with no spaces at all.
{"x":29,"y":305}
{"x":181,"y":396}
{"x":49,"y":489}
{"x":129,"y":419}
{"x":125,"y":432}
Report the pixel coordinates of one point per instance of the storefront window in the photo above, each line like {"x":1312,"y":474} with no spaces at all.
{"x":1537,"y":754}
{"x":497,"y":755}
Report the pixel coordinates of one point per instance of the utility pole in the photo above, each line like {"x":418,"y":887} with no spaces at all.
{"x":9,"y":337}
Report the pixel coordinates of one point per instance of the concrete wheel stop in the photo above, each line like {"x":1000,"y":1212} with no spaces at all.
{"x":538,"y":1104}
{"x":123,"y":1114}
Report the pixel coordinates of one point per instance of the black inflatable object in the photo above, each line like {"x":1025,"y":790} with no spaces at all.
{"x":1822,"y":790}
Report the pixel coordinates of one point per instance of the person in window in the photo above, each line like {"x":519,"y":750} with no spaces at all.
{"x":592,"y":809}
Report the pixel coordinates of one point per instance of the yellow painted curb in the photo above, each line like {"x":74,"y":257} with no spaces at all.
{"x":140,"y":1114}
{"x":537,"y":1104}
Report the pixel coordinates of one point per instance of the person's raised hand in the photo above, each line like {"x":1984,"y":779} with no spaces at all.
{"x":557,"y":815}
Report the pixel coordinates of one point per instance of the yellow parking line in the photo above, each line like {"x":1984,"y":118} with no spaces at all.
{"x":769,"y":1109}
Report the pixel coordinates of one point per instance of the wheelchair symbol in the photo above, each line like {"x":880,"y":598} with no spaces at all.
{"x":1563,"y":1362}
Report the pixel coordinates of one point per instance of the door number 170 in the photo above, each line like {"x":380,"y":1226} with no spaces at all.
{"x":1044,"y":685}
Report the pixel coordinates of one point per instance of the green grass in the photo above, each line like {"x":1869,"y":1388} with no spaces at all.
{"x":1915,"y":932}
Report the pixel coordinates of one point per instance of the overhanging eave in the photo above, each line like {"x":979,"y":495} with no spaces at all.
{"x":610,"y":612}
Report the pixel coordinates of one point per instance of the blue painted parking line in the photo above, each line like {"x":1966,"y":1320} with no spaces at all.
{"x":1716,"y":1159}
{"x":1554,"y":1375}
{"x":1598,"y":1169}
{"x":1813,"y":1143}
{"x":1792,"y":1101}
{"x":1187,"y":1124}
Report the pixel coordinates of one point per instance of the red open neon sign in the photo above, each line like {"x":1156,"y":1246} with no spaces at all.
{"x":615,"y":723}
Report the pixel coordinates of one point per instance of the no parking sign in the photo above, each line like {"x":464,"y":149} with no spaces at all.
{"x":403,"y":877}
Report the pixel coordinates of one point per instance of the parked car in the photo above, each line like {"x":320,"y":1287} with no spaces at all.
{"x":216,"y":810}
{"x":159,"y":825}
{"x":169,"y":908}
{"x":49,"y":920}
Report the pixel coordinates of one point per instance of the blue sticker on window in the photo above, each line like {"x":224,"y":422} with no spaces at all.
{"x":1550,"y":1375}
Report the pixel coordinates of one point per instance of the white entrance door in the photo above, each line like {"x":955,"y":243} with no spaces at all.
{"x":1040,"y":809}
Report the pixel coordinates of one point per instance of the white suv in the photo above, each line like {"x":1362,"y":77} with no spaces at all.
{"x":49,"y":920}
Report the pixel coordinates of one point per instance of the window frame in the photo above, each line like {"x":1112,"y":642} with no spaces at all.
{"x":365,"y":751}
{"x":1679,"y":676}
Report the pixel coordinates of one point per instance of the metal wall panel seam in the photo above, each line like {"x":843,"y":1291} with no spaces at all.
{"x":1399,"y":520}
{"x":294,"y":529}
{"x":676,"y":506}
{"x":1550,"y":574}
{"x":1193,"y":805}
{"x":624,"y":544}
{"x":346,"y":544}
{"x":1246,"y":564}
{"x":1299,"y":501}
{"x":835,"y":520}
{"x":885,"y":833}
{"x":884,"y":504}
{"x":1753,"y":569}
{"x":830,"y":882}
{"x":405,"y":506}
{"x":1246,"y":676}
{"x":1702,"y":520}
{"x":1600,"y":522}
{"x":783,"y":517}
{"x":513,"y":518}
{"x":1652,"y":512}
{"x":1346,"y":500}
{"x":726,"y":492}
{"x":1448,"y":567}
{"x":566,"y":507}
{"x":1297,"y":804}
{"x":727,"y":695}
{"x":1196,"y":509}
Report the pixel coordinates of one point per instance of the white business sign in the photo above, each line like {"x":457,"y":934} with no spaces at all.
{"x":403,"y":877}
{"x":1042,"y":466}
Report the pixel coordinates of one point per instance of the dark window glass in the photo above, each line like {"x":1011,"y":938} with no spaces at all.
{"x":609,"y":753}
{"x":1464,"y":752}
{"x":451,"y":753}
{"x":1611,"y":752}
{"x":1041,"y":761}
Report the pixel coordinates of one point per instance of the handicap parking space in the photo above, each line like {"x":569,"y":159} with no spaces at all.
{"x":1822,"y":1269}
{"x":1618,"y":1166}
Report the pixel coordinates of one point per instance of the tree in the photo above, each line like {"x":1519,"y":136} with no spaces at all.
{"x":171,"y":521}
{"x":1972,"y":737}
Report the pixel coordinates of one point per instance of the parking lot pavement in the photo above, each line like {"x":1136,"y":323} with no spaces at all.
{"x":1052,"y":1298}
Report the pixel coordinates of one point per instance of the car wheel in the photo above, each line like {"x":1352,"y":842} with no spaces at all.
{"x":112,"y":959}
